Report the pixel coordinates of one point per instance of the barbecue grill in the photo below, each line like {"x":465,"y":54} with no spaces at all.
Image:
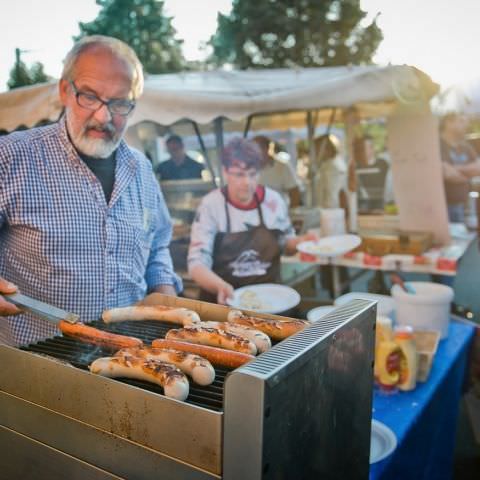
{"x":299,"y":411}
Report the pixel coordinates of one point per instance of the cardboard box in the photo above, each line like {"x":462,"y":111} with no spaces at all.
{"x":426,"y":342}
{"x":381,"y":243}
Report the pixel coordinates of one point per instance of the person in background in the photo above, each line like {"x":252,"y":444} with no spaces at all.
{"x":331,"y":173}
{"x":83,"y":224}
{"x":240,"y":230}
{"x":460,"y":163}
{"x":277,"y":174}
{"x":371,"y":173}
{"x":179,"y":166}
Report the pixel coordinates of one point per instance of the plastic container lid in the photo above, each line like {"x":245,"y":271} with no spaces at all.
{"x":403,"y":332}
{"x":425,"y":293}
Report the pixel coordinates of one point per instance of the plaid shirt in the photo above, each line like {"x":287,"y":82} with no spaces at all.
{"x":61,"y":243}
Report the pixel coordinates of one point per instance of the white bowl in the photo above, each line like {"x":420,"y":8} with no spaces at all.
{"x":272,"y":298}
{"x":333,"y":246}
{"x":385,"y":306}
{"x":317,"y":313}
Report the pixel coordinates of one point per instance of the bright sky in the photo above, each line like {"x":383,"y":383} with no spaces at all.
{"x":437,"y":36}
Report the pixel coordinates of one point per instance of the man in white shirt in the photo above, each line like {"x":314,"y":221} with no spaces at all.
{"x":277,"y":174}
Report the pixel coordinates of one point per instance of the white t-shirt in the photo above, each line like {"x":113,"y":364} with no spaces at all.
{"x":211,"y":219}
{"x":280,"y":176}
{"x":330,"y":179}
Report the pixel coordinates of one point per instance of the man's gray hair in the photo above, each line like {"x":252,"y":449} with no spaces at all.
{"x":118,"y":48}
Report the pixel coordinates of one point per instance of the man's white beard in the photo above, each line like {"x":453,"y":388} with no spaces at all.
{"x":93,"y":147}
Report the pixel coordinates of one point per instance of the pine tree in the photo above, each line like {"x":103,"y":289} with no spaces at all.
{"x":142,"y":25}
{"x":298,"y":33}
{"x":22,"y":76}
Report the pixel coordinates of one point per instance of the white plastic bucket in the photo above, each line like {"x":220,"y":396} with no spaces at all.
{"x":427,"y":309}
{"x":332,"y":221}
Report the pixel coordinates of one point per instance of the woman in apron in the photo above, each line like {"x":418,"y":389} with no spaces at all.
{"x":240,"y":230}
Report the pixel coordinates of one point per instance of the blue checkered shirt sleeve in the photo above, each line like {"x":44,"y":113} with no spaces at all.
{"x":61,"y":243}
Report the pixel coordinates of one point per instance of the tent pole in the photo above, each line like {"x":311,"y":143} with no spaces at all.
{"x":247,"y":126}
{"x":218,"y":128}
{"x":311,"y":157}
{"x":351,"y":126}
{"x":204,"y":151}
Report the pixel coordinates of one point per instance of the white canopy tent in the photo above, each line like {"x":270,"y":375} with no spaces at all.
{"x":282,"y":98}
{"x":237,"y":95}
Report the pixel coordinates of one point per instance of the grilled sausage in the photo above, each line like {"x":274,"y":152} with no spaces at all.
{"x":213,"y":338}
{"x":275,"y":329}
{"x":85,"y":333}
{"x":260,"y":339}
{"x":196,"y":367}
{"x":174,"y":382}
{"x":217,"y":356}
{"x":177,"y":315}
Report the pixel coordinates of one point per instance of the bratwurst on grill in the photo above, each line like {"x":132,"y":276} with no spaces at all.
{"x":198,"y":368}
{"x":260,"y":339}
{"x":174,"y":382}
{"x":213,"y":338}
{"x":217,"y":356}
{"x":177,"y":315}
{"x":275,"y":329}
{"x":85,"y":333}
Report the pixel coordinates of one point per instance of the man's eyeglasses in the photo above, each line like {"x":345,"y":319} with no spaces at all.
{"x":92,"y":102}
{"x":241,"y":174}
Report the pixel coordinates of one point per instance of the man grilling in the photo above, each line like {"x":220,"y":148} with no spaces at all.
{"x":83,"y":224}
{"x":239,"y":231}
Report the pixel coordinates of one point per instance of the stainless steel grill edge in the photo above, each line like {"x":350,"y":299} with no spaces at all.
{"x":301,"y":410}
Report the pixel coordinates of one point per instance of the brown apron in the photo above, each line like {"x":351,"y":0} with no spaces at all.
{"x":245,"y":258}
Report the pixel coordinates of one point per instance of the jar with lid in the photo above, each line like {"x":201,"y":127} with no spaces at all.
{"x":383,"y":333}
{"x":403,"y":337}
{"x":387,"y":367}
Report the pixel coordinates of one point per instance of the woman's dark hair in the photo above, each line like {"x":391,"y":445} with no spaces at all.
{"x":243,"y":153}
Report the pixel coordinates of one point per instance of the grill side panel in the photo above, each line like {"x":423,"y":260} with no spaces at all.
{"x":303,"y":409}
{"x":31,"y":460}
{"x":185,"y":432}
{"x":62,"y":437}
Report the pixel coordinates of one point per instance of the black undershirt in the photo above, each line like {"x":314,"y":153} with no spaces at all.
{"x":104,"y":170}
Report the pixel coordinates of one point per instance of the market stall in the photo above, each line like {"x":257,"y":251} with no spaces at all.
{"x":270,"y":99}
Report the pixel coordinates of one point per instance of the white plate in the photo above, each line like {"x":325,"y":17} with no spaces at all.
{"x":385,"y":306}
{"x":317,"y":313}
{"x":382,"y":442}
{"x":272,"y":298}
{"x":333,"y":246}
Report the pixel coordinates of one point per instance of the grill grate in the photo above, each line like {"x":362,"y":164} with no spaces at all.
{"x":81,"y":354}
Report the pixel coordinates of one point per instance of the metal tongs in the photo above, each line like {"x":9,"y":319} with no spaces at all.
{"x":41,"y":309}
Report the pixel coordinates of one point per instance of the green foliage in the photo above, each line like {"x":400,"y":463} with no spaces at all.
{"x":142,"y":25}
{"x":294,"y":33}
{"x":22,"y":76}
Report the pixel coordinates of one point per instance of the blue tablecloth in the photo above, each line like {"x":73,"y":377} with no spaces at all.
{"x":424,"y":420}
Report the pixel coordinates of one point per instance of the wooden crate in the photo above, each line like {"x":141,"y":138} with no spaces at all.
{"x":401,"y":242}
{"x":426,"y":342}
